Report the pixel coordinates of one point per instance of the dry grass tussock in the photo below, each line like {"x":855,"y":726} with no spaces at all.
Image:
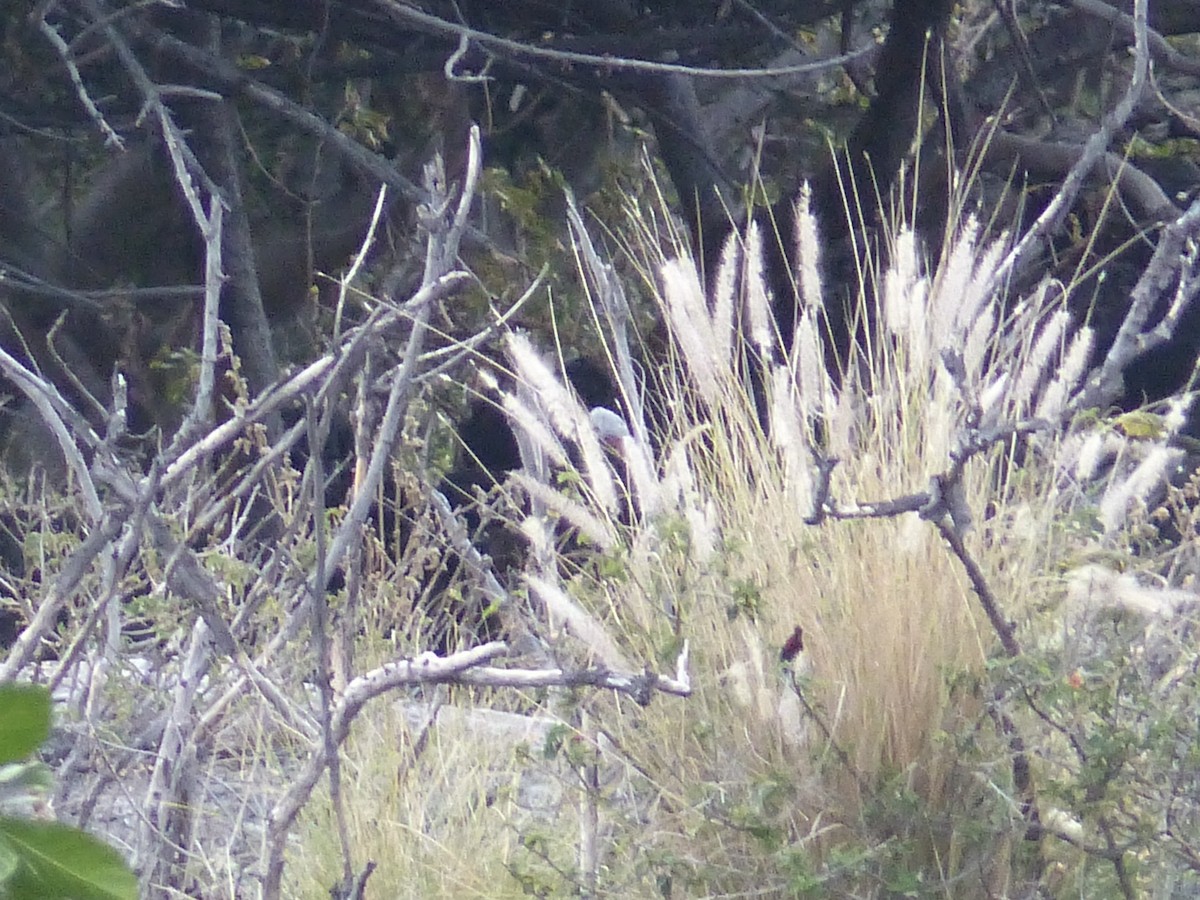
{"x":755,"y":494}
{"x":889,"y":621}
{"x":438,"y":808}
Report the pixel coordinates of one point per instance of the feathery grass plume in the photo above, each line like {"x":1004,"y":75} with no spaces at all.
{"x":1070,"y":373}
{"x":1134,"y":489}
{"x":687,"y":312}
{"x":808,"y":252}
{"x":756,"y":298}
{"x":1094,"y":589}
{"x":566,"y":415}
{"x":900,"y":379}
{"x":786,"y":434}
{"x":843,"y":424}
{"x":646,"y":488}
{"x":906,"y":302}
{"x":1142,"y":464}
{"x":703,"y":526}
{"x":1011,"y":340}
{"x":1095,"y":449}
{"x":977,"y":310}
{"x":991,"y":400}
{"x":537,"y":431}
{"x":586,"y":628}
{"x":939,"y":421}
{"x":540,"y":534}
{"x":647,"y":492}
{"x":1074,"y":365}
{"x":597,"y":530}
{"x":980,"y":288}
{"x":760,"y":695}
{"x":564,"y":411}
{"x":952,"y":307}
{"x":979,"y":338}
{"x":1175,"y":418}
{"x":724,"y":288}
{"x":679,"y":488}
{"x":887,"y":621}
{"x":815,"y":394}
{"x":895,"y":306}
{"x":1034,"y":364}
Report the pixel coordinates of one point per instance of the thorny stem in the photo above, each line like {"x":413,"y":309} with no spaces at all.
{"x":987,"y":598}
{"x":1022,"y":774}
{"x":838,"y":750}
{"x":320,"y":643}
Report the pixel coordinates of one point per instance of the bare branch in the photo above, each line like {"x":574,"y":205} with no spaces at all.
{"x":53,"y":408}
{"x":427,"y":22}
{"x":111,"y":138}
{"x":1177,"y":241}
{"x":442,"y":251}
{"x":306,"y":381}
{"x":61,"y":590}
{"x":1095,"y":148}
{"x":1160,"y":47}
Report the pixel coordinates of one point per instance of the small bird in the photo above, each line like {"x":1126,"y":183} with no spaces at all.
{"x":793,"y":646}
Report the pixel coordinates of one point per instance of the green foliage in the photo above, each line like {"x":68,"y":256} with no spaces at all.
{"x":1140,"y":425}
{"x":175,"y":372}
{"x":45,"y":860}
{"x":1139,"y":147}
{"x":746,"y":599}
{"x":1113,"y":712}
{"x":360,"y":121}
{"x":26,"y":720}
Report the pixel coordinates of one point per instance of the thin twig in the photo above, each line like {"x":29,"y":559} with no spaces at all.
{"x":111,"y":138}
{"x":307,"y":380}
{"x":320,"y":644}
{"x":440,"y":256}
{"x":53,"y":408}
{"x":991,"y":606}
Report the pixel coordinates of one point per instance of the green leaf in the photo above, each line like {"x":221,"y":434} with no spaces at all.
{"x":1140,"y":425}
{"x":30,"y":776}
{"x":24,"y":720}
{"x":252,"y":62}
{"x":9,"y":861}
{"x":58,"y":862}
